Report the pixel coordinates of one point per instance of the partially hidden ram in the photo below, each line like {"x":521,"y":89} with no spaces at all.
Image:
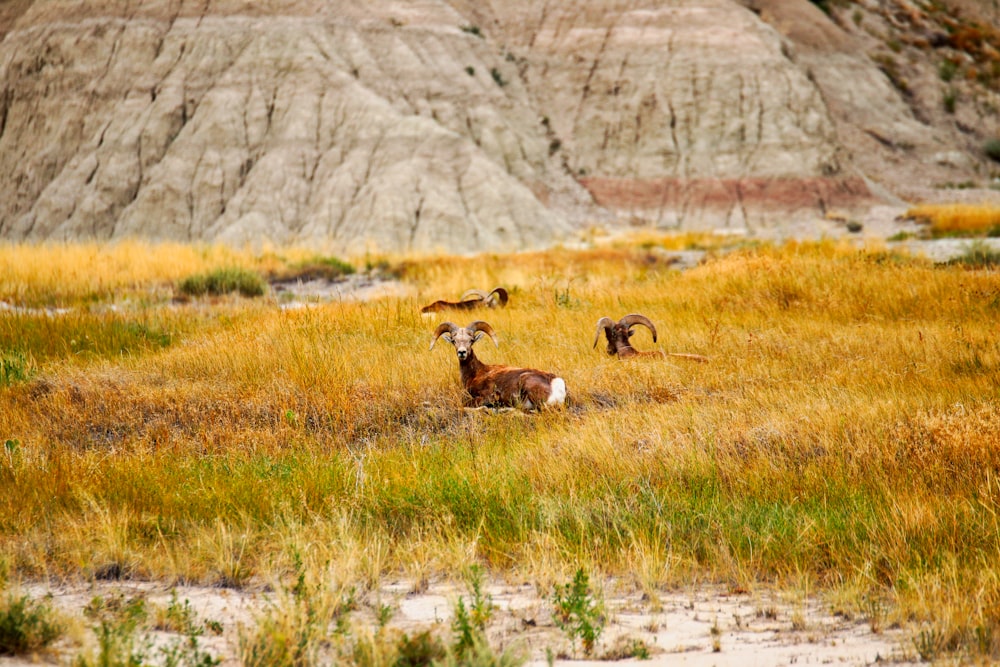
{"x":619,"y":336}
{"x":489,"y":385}
{"x":472,"y":299}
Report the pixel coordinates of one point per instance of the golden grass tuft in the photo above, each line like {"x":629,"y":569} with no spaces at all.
{"x":957,"y":219}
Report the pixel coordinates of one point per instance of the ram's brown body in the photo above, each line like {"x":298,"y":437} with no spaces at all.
{"x":470,"y":300}
{"x":494,"y":385}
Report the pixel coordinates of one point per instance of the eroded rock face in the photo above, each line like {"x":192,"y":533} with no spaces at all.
{"x":295,"y":123}
{"x":421,"y":126}
{"x":686,"y":113}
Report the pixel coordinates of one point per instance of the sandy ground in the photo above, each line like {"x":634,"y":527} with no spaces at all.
{"x":705,"y":625}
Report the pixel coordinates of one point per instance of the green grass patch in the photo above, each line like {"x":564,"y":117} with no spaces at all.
{"x":30,"y":338}
{"x":224,"y":281}
{"x":977,"y":256}
{"x":316,"y":268}
{"x":15,"y":366}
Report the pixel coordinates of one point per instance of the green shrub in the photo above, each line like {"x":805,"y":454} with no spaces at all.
{"x":119,"y":642}
{"x":947,"y":70}
{"x":26,"y":625}
{"x":420,"y":650}
{"x":223,"y":281}
{"x":950,"y":100}
{"x":319,"y":268}
{"x":14,"y":367}
{"x":978,"y":255}
{"x":992,"y":149}
{"x":577,"y":612}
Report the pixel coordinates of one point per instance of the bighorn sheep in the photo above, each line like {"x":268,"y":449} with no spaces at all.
{"x":618,"y":334}
{"x":472,"y":298}
{"x":495,"y":385}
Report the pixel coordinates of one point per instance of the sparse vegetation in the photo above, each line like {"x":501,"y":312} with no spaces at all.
{"x":577,"y":612}
{"x":950,"y":99}
{"x":497,"y":77}
{"x":977,"y":256}
{"x":891,"y":69}
{"x":992,"y":149}
{"x":216,"y":460}
{"x":947,"y":69}
{"x":26,"y":625}
{"x":119,"y":640}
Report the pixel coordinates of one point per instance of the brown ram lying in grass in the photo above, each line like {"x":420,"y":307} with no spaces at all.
{"x":473,"y":298}
{"x":618,"y":335}
{"x":496,"y":385}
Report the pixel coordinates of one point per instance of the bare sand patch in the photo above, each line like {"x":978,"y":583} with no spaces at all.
{"x":700,"y":625}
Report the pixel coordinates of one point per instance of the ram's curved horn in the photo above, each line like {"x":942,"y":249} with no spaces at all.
{"x":479,"y":325}
{"x":603,"y":324}
{"x":635,"y":318}
{"x":501,"y":299}
{"x":478,"y":293}
{"x":443,"y":328}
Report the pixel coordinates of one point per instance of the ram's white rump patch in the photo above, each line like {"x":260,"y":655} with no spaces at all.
{"x":558,"y":395}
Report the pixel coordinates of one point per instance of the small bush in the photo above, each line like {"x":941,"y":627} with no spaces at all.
{"x":26,"y":625}
{"x":947,"y":70}
{"x":950,"y":100}
{"x":420,"y":650}
{"x":992,"y":149}
{"x":577,"y":613}
{"x":977,"y":256}
{"x":497,"y":77}
{"x":224,"y":281}
{"x":319,"y":268}
{"x":14,"y":367}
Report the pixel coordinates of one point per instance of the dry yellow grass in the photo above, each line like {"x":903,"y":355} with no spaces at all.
{"x":845,"y":432}
{"x":957,"y":219}
{"x":57,"y":273}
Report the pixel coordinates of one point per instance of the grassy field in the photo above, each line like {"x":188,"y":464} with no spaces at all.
{"x":845,"y":436}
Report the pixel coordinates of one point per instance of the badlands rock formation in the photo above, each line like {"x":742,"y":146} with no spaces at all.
{"x":449,"y":125}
